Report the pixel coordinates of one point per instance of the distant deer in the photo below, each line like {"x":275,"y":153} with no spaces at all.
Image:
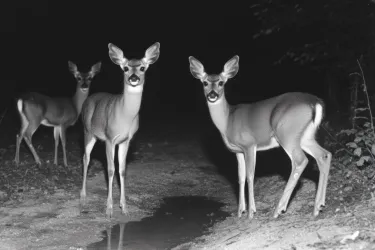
{"x":114,"y":119}
{"x":36,"y":109}
{"x":289,"y":120}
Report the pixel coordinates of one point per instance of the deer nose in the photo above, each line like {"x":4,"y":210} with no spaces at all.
{"x":212,"y":96}
{"x":134,"y":78}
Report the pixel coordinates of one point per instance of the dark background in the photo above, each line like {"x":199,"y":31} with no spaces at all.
{"x":48,"y":34}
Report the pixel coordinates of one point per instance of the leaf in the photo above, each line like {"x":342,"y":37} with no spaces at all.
{"x":352,"y":145}
{"x":360,"y":162}
{"x":366,"y":158}
{"x":348,"y":131}
{"x":373,"y":149}
{"x":361,"y":109}
{"x":358,"y":139}
{"x":358,"y":152}
{"x":347,"y":161}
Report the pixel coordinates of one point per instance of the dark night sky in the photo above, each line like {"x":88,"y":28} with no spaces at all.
{"x":47,"y":34}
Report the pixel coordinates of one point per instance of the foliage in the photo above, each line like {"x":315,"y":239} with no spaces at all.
{"x":357,"y":145}
{"x":323,"y":31}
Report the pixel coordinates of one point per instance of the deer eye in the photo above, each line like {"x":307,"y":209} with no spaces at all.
{"x":142,"y":69}
{"x":221,"y":83}
{"x":126,"y":69}
{"x":205,"y":83}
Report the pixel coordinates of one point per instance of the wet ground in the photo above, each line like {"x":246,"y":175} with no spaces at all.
{"x":178,"y":220}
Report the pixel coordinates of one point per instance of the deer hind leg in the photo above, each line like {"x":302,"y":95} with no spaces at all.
{"x":323,"y":159}
{"x":110,"y":152}
{"x":33,"y":126}
{"x":21,"y":134}
{"x":291,"y":145}
{"x":250,"y":159}
{"x":56,"y":134}
{"x":241,"y":181}
{"x":122,"y":153}
{"x":89,"y":145}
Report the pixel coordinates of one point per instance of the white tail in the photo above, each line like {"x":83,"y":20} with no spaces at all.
{"x":60,"y":113}
{"x":289,"y":120}
{"x":114,"y":118}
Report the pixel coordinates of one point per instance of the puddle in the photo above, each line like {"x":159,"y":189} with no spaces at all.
{"x":178,"y":220}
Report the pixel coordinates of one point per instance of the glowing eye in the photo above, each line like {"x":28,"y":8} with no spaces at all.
{"x":142,"y":69}
{"x":205,"y":83}
{"x":221,"y":83}
{"x":126,"y":69}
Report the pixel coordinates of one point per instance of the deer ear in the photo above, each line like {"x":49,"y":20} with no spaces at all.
{"x":72,"y":67}
{"x":95,"y":68}
{"x":231,"y":67}
{"x":152,"y":53}
{"x":196,"y":68}
{"x":116,"y":54}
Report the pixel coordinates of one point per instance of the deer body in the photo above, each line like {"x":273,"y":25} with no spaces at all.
{"x":289,"y":120}
{"x":122,"y":116}
{"x":114,"y":119}
{"x":36,"y":109}
{"x":239,"y":129}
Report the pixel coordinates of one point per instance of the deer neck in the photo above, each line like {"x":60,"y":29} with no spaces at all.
{"x":78,"y":99}
{"x":219,"y":112}
{"x":131,"y":99}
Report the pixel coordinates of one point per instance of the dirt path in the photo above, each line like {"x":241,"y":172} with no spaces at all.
{"x":39,"y":218}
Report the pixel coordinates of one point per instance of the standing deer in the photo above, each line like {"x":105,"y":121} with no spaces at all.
{"x":36,"y":109}
{"x":114,"y":119}
{"x":289,"y":120}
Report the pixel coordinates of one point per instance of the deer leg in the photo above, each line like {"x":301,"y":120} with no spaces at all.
{"x":299,"y":162}
{"x":250,"y":159}
{"x":28,"y":138}
{"x":56,"y":133}
{"x":110,"y":152}
{"x":323,"y":159}
{"x":63,"y":142}
{"x":121,"y":240}
{"x":19,"y":137}
{"x":89,"y":144}
{"x":109,"y":238}
{"x":241,"y":181}
{"x":122,"y":153}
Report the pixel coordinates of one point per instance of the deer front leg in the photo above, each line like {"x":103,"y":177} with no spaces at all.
{"x":63,"y":143}
{"x":110,"y":152}
{"x":122,"y":153}
{"x":56,"y":134}
{"x":241,"y":181}
{"x":250,"y":160}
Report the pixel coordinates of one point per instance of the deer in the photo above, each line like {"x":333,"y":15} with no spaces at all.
{"x":289,"y":120}
{"x":114,"y":119}
{"x":36,"y":109}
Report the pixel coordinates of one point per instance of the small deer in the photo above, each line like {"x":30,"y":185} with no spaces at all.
{"x":36,"y":109}
{"x":114,"y":119}
{"x":289,"y":120}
